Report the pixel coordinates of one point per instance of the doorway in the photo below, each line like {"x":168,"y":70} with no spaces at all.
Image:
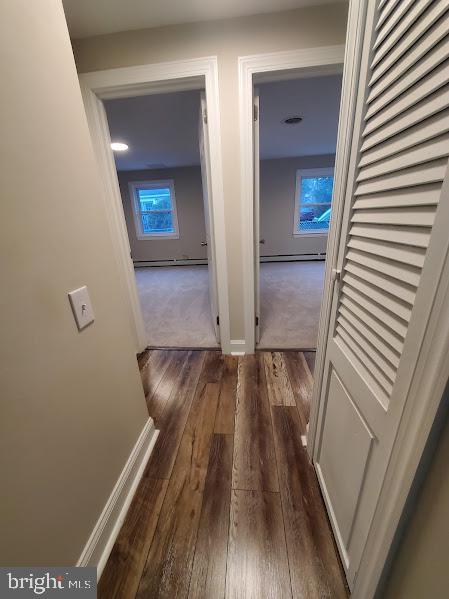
{"x":296,"y":122}
{"x":159,"y":78}
{"x":161,"y":154}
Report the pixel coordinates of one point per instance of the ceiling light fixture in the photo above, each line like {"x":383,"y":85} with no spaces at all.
{"x":117,"y":146}
{"x":292,"y":120}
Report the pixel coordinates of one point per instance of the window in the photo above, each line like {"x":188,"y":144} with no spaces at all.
{"x":154,"y":208}
{"x":313,"y":200}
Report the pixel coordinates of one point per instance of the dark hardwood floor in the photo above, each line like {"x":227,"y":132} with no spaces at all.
{"x":229,"y":505}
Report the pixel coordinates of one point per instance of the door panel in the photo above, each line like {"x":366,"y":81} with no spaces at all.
{"x":203,"y":135}
{"x":346,"y":446}
{"x":399,"y":160}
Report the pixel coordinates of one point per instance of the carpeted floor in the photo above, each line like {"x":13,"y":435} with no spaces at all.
{"x":176,"y":309}
{"x":290,"y":302}
{"x":175,"y":306}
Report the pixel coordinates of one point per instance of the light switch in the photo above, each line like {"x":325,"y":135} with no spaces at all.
{"x":81,"y":307}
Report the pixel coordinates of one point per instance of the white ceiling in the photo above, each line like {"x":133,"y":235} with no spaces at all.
{"x":162,"y":129}
{"x":316,"y":100}
{"x":96,"y":17}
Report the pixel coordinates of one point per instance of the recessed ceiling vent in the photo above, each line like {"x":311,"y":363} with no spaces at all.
{"x":292,"y":120}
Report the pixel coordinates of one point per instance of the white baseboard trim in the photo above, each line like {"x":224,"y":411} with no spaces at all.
{"x":293,"y":258}
{"x":193,"y":262}
{"x":238,"y":347}
{"x":104,"y":534}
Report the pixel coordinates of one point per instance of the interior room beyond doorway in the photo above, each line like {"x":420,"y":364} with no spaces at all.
{"x":162,"y":182}
{"x":297,"y":133}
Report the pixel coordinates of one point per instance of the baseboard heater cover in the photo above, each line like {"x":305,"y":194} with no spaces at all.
{"x":292,"y":257}
{"x":174,"y":262}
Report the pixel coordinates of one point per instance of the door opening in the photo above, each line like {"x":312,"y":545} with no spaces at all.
{"x":163,"y":170}
{"x":295,"y":138}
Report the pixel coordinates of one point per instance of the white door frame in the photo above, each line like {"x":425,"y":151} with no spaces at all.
{"x":259,"y":67}
{"x":199,"y":73}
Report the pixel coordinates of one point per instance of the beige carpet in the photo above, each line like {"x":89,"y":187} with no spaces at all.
{"x":290,"y":301}
{"x":175,"y":306}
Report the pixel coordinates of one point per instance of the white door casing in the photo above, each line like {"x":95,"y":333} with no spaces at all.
{"x":256,"y":146}
{"x":203,"y":136}
{"x":195,"y":73}
{"x":392,"y":247}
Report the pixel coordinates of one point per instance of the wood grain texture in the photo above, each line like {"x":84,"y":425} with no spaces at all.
{"x":302,"y":384}
{"x":121,"y":576}
{"x":175,"y":417}
{"x":254,"y":466}
{"x":168,"y":567}
{"x":314,"y":565}
{"x":162,"y":375}
{"x":257,"y":555}
{"x":209,"y":566}
{"x":279,"y":389}
{"x":224,"y":422}
{"x":177,"y":540}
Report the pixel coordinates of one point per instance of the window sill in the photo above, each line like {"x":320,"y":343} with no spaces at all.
{"x":310,"y":234}
{"x":160,"y":237}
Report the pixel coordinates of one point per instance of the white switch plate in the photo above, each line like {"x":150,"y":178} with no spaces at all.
{"x":81,"y":307}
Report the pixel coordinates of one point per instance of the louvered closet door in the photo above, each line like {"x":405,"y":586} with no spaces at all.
{"x":399,"y":160}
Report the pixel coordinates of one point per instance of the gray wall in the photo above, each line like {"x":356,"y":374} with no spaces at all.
{"x":190,"y":208}
{"x":421,"y":567}
{"x":228,"y":39}
{"x":72,"y":405}
{"x":277,"y":199}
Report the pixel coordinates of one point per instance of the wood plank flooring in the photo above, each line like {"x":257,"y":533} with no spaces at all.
{"x":229,"y":505}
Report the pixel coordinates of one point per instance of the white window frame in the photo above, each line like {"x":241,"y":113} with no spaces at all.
{"x":134,"y":186}
{"x":309,"y":172}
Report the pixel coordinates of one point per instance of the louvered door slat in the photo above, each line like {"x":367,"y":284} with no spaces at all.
{"x":362,"y":355}
{"x":416,"y":115}
{"x":381,"y":297}
{"x":398,"y":43}
{"x":392,"y":339}
{"x":406,"y":273}
{"x":422,"y":195}
{"x":436,"y":79}
{"x":413,"y":236}
{"x":431,"y":149}
{"x":399,"y":290}
{"x":377,"y":362}
{"x":416,"y":175}
{"x":376,"y":340}
{"x":421,"y":132}
{"x":427,"y":64}
{"x":401,"y":253}
{"x":397,"y":15}
{"x":416,"y":216}
{"x":390,"y":5}
{"x":377,"y":311}
{"x":405,"y":66}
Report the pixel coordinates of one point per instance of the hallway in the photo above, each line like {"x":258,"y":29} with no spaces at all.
{"x":228,"y":504}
